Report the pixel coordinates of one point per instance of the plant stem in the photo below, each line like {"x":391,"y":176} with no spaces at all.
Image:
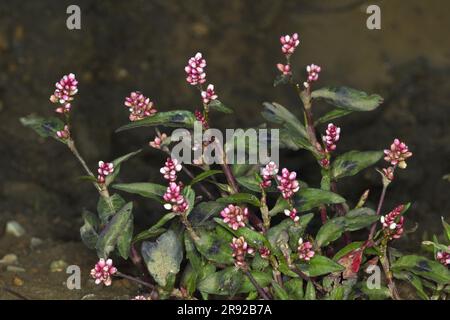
{"x":306,"y":278}
{"x":260,"y":290}
{"x":137,"y":280}
{"x":380,"y":205}
{"x":187,"y":224}
{"x":391,"y":284}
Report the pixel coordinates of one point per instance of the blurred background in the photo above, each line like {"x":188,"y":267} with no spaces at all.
{"x":144,"y":45}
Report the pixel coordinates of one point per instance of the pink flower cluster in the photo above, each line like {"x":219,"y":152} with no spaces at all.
{"x":170,"y":169}
{"x":313,"y":74}
{"x":289,"y":43}
{"x":305,"y":251}
{"x":443,"y":257}
{"x":397,"y":154}
{"x":195,"y":70}
{"x":285,"y":69}
{"x":268,"y":172}
{"x":240,"y":250}
{"x":104,"y":170}
{"x":64,"y":133}
{"x":156,"y":143}
{"x":139,"y":105}
{"x":393,"y":223}
{"x":65,"y":90}
{"x":292,"y":213}
{"x":200,"y":117}
{"x":173,"y":197}
{"x":234,"y":216}
{"x":102,"y":272}
{"x":264,"y":252}
{"x":287,"y":183}
{"x":209,"y":94}
{"x":332,"y":137}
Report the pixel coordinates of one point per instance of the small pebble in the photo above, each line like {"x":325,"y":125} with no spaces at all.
{"x":58,"y":266}
{"x":15,"y":269}
{"x":17,"y":282}
{"x":35,"y":242}
{"x":9,"y":259}
{"x":14,"y":228}
{"x":89,"y":296}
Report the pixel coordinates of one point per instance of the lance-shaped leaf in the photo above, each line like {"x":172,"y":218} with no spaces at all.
{"x":423,"y":267}
{"x":446,"y":228}
{"x":333,"y":114}
{"x":219,"y":106}
{"x":320,"y":265}
{"x":204,"y":175}
{"x":214,"y":245}
{"x":414,"y":280}
{"x":348,"y":98}
{"x":125,"y":238}
{"x":107,"y":207}
{"x":176,"y":118}
{"x":330,"y":231}
{"x":45,"y":127}
{"x":307,"y":198}
{"x":163,"y":257}
{"x":252,"y":237}
{"x":359,"y":218}
{"x":310,"y":293}
{"x":202,"y":212}
{"x":156,"y":229}
{"x":88,"y":231}
{"x":108,"y":238}
{"x":241,"y":198}
{"x":117,"y":162}
{"x":294,"y":288}
{"x":352,"y":162}
{"x":145,"y":189}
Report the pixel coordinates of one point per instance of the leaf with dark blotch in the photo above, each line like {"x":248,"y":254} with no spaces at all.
{"x":348,"y":98}
{"x":320,"y":265}
{"x":352,"y":162}
{"x":308,"y":198}
{"x":219,"y":106}
{"x":107,"y":207}
{"x":88,"y":231}
{"x":215,"y":245}
{"x":177,"y":118}
{"x":163,"y":257}
{"x":203,"y":212}
{"x":108,"y":238}
{"x":423,"y":267}
{"x":45,"y":127}
{"x":145,"y":189}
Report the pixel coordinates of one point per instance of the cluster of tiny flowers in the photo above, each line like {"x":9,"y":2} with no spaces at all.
{"x":292,"y":214}
{"x":393,"y":222}
{"x":240,"y":250}
{"x":195,"y":70}
{"x":313,"y":74}
{"x":175,"y":201}
{"x":102,"y":272}
{"x":234,"y":216}
{"x":264,"y":252}
{"x":104,"y":170}
{"x":141,"y":297}
{"x":209,"y":95}
{"x":139,"y":105}
{"x":332,"y":137}
{"x":305,"y":251}
{"x":64,"y":133}
{"x":397,"y":154}
{"x":200,"y":117}
{"x":287,"y":183}
{"x":66,"y":88}
{"x":285,"y":69}
{"x":443,"y":257}
{"x":267,"y":173}
{"x":170,"y":169}
{"x":289,"y":43}
{"x":156,"y":143}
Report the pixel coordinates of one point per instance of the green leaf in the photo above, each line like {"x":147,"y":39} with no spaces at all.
{"x":145,"y":189}
{"x":320,"y":265}
{"x":414,"y":281}
{"x":423,"y":267}
{"x":294,"y":288}
{"x":375,"y":294}
{"x":163,"y":257}
{"x":333,"y":114}
{"x":253,"y":238}
{"x":279,"y":206}
{"x":249,"y":182}
{"x":117,"y":162}
{"x":177,"y":118}
{"x":288,"y":227}
{"x":189,"y":279}
{"x":220,"y":283}
{"x":203,"y":211}
{"x":88,"y":231}
{"x":281,"y":79}
{"x":437,"y":246}
{"x":189,"y":195}
{"x":360,"y":218}
{"x":307,"y":198}
{"x":125,"y":238}
{"x":106,"y":208}
{"x":219,"y":106}
{"x":240,"y":170}
{"x":109,"y":237}
{"x":258,"y":263}
{"x":156,"y":229}
{"x":330,"y":231}
{"x":202,"y":176}
{"x":350,"y":163}
{"x":241,"y":198}
{"x":347,"y":249}
{"x":215,"y":245}
{"x":280,"y":293}
{"x":348,"y":98}
{"x":446,"y":228}
{"x":44,"y":127}
{"x":191,"y":252}
{"x":310,"y":293}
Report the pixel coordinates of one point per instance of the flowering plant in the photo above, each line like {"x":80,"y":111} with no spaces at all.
{"x":250,"y":231}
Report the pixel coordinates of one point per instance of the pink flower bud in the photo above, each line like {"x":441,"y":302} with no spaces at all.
{"x":195,"y":70}
{"x":156,"y":143}
{"x":305,"y":251}
{"x":63,"y":134}
{"x":289,"y":43}
{"x":264,"y":252}
{"x":209,"y":94}
{"x":65,"y":90}
{"x":170,"y":169}
{"x":332,"y":136}
{"x":443,"y":257}
{"x":292,"y":214}
{"x":200,"y":117}
{"x":234,"y":216}
{"x":397,"y":154}
{"x":175,"y":201}
{"x":268,"y":172}
{"x":393,"y":223}
{"x":139,"y":106}
{"x":240,"y":250}
{"x":104,"y":170}
{"x":287,"y":183}
{"x":102,"y":272}
{"x":284,"y":69}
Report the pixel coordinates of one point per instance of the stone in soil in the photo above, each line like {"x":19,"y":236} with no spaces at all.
{"x":14,"y":228}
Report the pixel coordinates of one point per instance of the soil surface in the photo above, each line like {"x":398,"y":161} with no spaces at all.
{"x":144,"y":45}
